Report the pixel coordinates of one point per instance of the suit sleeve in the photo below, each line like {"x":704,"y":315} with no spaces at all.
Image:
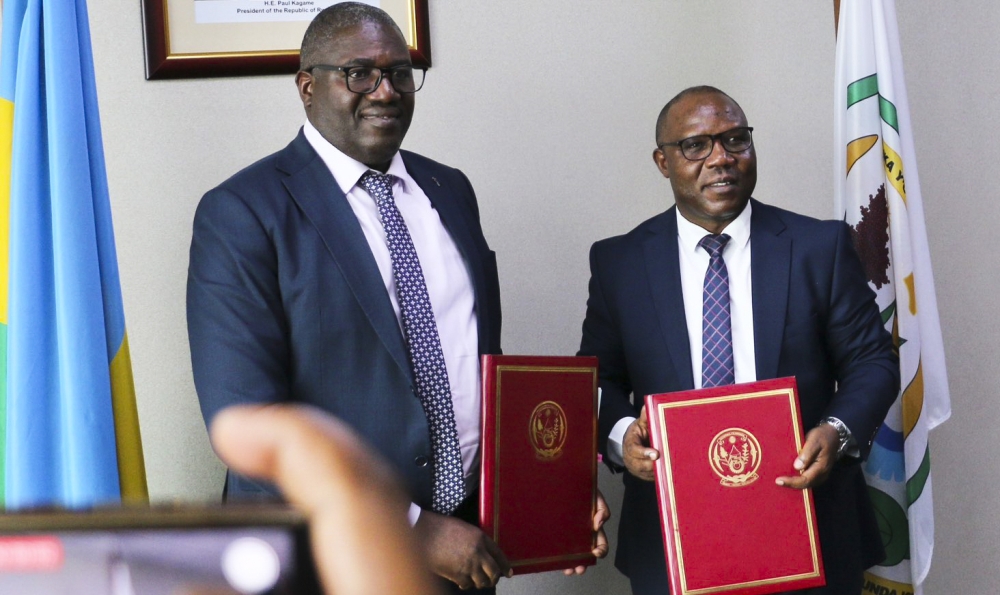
{"x":601,"y":338}
{"x":236,"y":323}
{"x":866,"y":363}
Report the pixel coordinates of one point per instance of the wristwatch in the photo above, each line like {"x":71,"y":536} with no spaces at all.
{"x":843,"y":434}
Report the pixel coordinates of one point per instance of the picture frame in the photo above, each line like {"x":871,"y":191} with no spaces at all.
{"x":217,"y":38}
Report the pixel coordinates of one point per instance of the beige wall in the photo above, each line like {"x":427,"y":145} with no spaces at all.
{"x":549,"y":108}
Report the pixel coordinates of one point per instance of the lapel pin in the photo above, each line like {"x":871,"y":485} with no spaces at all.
{"x":436,"y":181}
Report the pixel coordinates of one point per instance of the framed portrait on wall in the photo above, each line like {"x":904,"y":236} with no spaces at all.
{"x":208,"y":38}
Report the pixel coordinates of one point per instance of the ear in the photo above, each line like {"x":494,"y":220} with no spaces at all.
{"x":660,"y":158}
{"x":304,"y":81}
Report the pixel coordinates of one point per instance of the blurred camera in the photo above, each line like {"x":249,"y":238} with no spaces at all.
{"x":185,"y":550}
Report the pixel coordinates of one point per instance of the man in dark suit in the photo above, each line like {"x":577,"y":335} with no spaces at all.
{"x":796,"y":304}
{"x":347,"y":274}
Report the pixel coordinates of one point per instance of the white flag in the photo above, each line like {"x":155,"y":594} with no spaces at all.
{"x":878,"y":194}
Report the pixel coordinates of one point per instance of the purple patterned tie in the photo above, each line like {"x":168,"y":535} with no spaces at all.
{"x":422,"y":339}
{"x":716,"y":324}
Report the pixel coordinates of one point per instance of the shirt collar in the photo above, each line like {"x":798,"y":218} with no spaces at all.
{"x":346,"y":170}
{"x":738,"y":231}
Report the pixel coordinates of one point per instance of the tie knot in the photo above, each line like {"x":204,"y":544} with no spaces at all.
{"x":379,"y":186}
{"x":714,"y":244}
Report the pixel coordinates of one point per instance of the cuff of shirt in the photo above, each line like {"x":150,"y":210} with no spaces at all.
{"x":414,"y":514}
{"x":615,"y":440}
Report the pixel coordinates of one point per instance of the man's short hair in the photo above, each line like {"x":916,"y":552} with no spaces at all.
{"x":332,"y":20}
{"x":698,"y":90}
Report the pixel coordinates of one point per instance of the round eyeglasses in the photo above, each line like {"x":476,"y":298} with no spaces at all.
{"x":696,"y":148}
{"x":365,"y":79}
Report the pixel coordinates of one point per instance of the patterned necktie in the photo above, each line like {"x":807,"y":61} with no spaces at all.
{"x":424,"y":343}
{"x":716,"y":325}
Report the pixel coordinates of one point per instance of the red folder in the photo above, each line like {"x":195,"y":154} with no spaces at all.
{"x":538,"y":486}
{"x":727,"y":527}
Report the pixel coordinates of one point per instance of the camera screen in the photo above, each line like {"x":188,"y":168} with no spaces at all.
{"x":244,"y":560}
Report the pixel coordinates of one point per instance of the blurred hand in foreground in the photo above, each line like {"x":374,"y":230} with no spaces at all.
{"x":361,"y":541}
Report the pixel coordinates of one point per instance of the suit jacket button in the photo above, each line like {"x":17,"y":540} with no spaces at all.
{"x":421,"y":461}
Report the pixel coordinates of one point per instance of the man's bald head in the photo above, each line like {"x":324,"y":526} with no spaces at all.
{"x":332,"y":20}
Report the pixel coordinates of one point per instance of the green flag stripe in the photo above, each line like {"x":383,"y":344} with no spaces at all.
{"x":866,"y":88}
{"x":888,"y":312}
{"x":888,"y":113}
{"x":915,"y":485}
{"x":862,"y":89}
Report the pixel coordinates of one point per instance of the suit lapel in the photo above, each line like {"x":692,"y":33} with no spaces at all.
{"x":664,"y":274}
{"x":316,"y":192}
{"x":770,"y":262}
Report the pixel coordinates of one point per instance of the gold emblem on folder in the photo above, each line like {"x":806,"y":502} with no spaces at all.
{"x":547,"y":430}
{"x":735,"y":457}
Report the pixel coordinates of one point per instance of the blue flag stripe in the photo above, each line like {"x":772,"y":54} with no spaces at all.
{"x":60,"y":426}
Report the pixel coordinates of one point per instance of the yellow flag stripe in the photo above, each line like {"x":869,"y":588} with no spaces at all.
{"x":911,"y":292}
{"x":894,"y":170}
{"x":6,"y":142}
{"x":131,"y":465}
{"x":890,"y":586}
{"x":857,"y":148}
{"x":913,"y":400}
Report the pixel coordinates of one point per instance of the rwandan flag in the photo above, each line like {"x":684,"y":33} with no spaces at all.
{"x":69,"y":431}
{"x":877,"y":192}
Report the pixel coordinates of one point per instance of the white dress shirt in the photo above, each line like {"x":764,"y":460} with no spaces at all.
{"x":449,"y":284}
{"x":694,"y":264}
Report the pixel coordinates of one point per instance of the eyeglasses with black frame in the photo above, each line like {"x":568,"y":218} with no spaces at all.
{"x":697,"y":148}
{"x":365,"y":79}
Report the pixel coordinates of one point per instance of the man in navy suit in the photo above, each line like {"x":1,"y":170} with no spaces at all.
{"x":799,"y":306}
{"x":292,"y":292}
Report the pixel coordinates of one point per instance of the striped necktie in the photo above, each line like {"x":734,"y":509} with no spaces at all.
{"x":716,"y":324}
